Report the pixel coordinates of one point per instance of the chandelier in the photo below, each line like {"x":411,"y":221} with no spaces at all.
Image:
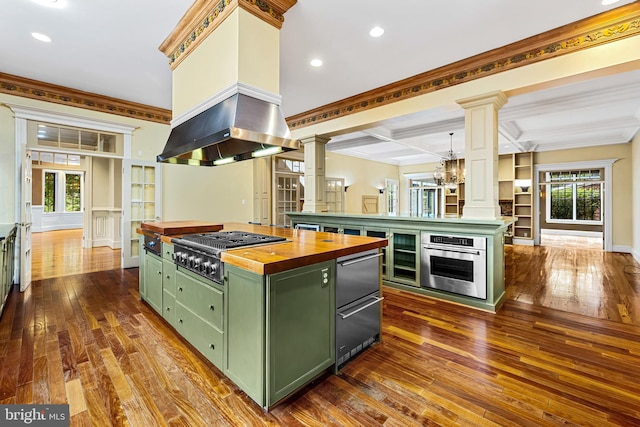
{"x":446,"y":174}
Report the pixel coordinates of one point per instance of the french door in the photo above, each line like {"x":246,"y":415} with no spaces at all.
{"x":141,"y":202}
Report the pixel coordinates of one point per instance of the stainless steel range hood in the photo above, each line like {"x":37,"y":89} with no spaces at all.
{"x":239,"y":128}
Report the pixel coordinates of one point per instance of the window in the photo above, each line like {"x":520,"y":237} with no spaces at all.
{"x":392,"y":196}
{"x":334,"y":194}
{"x":423,"y":197}
{"x":574,"y":196}
{"x":68,"y":138}
{"x":62,"y":191}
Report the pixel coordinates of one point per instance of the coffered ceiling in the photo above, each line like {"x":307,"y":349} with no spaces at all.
{"x":111,"y":48}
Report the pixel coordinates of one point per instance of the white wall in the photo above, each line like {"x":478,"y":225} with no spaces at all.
{"x":363,"y":177}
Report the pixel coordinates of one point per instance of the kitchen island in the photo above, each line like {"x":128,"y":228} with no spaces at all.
{"x":404,"y":265}
{"x":269,"y":325}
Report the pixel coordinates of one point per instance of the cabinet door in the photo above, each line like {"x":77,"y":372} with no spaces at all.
{"x":244,"y":331}
{"x":381,"y":233}
{"x":141,"y":270}
{"x":405,"y":257}
{"x":300,"y":327}
{"x":169,"y":277}
{"x":153,"y":281}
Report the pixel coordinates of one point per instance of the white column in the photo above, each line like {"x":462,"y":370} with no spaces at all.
{"x":481,"y":154}
{"x":314,"y":173}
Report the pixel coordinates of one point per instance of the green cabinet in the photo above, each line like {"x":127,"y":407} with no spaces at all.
{"x":169,"y":270}
{"x":7,"y":245}
{"x":152,"y":279}
{"x":199,"y":314}
{"x":280,"y":329}
{"x":404,"y":249}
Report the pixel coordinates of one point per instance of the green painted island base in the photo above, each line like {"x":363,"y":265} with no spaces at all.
{"x":402,"y":261}
{"x":481,"y":304}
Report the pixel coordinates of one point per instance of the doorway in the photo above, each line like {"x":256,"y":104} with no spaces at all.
{"x":573,"y":200}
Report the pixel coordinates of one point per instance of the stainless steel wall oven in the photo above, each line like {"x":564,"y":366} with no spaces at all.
{"x":456,"y":264}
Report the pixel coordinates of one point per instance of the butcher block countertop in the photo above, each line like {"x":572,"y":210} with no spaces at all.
{"x":172,"y":228}
{"x":301,"y":248}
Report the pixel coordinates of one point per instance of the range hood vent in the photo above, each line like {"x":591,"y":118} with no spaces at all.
{"x":239,"y":128}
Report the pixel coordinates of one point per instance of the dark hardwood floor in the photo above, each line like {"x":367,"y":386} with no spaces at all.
{"x":88,"y":340}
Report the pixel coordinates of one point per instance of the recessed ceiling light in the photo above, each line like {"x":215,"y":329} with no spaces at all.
{"x":41,"y":37}
{"x":376,"y":32}
{"x":316,"y":62}
{"x":608,"y":2}
{"x":51,"y":3}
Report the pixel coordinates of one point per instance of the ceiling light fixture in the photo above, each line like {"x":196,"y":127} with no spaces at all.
{"x":446,"y":173}
{"x":376,"y":31}
{"x":41,"y":37}
{"x":52,"y":3}
{"x":316,"y":62}
{"x":608,"y":2}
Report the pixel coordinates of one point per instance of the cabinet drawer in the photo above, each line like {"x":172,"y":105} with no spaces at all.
{"x":202,"y":299}
{"x":207,"y":339}
{"x":169,"y":308}
{"x":167,"y":251}
{"x":169,"y":276}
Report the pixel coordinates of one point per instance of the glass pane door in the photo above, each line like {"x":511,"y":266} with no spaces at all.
{"x":141,"y":203}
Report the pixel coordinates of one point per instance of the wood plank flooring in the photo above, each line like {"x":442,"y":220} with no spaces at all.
{"x":60,"y":253}
{"x":88,"y":340}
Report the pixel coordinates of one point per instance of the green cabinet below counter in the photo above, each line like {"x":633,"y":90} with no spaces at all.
{"x":280,"y":329}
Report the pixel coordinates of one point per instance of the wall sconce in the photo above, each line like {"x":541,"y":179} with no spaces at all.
{"x":346,"y":187}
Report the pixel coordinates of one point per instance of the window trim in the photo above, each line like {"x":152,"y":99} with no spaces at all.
{"x":61,"y":191}
{"x":574,"y":198}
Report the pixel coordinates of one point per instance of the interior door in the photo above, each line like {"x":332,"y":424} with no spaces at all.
{"x":25,"y":222}
{"x":141,"y":202}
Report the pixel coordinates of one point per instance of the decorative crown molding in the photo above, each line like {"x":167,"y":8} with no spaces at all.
{"x":604,"y":28}
{"x":204,"y":16}
{"x":34,"y":89}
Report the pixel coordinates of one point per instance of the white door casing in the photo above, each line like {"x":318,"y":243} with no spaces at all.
{"x":22,"y":113}
{"x":25,"y":220}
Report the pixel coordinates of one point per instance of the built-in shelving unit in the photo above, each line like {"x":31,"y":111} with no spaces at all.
{"x":515,"y":194}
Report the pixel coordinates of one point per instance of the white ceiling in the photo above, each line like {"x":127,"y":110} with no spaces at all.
{"x":110,"y":47}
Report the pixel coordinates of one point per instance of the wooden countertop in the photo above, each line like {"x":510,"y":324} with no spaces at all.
{"x":171,"y":228}
{"x":302,"y":248}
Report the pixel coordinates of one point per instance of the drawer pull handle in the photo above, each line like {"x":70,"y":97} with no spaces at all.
{"x":159,"y":272}
{"x":180,"y":320}
{"x":168,"y":308}
{"x":212,"y":346}
{"x":180,"y":289}
{"x":211,"y":308}
{"x":168,"y":277}
{"x":374,"y":302}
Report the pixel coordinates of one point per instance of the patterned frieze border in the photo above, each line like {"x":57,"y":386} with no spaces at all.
{"x":206,"y":15}
{"x":34,"y":89}
{"x":590,"y":32}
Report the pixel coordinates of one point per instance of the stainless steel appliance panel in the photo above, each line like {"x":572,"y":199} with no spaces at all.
{"x":456,"y":264}
{"x":357,"y":327}
{"x":357,"y":275}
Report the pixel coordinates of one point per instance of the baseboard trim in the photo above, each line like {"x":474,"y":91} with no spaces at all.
{"x":622,"y":248}
{"x":525,"y":242}
{"x":580,"y":233}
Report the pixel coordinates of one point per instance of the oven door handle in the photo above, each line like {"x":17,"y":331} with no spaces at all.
{"x":431,"y":248}
{"x":374,"y":302}
{"x":357,"y":260}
